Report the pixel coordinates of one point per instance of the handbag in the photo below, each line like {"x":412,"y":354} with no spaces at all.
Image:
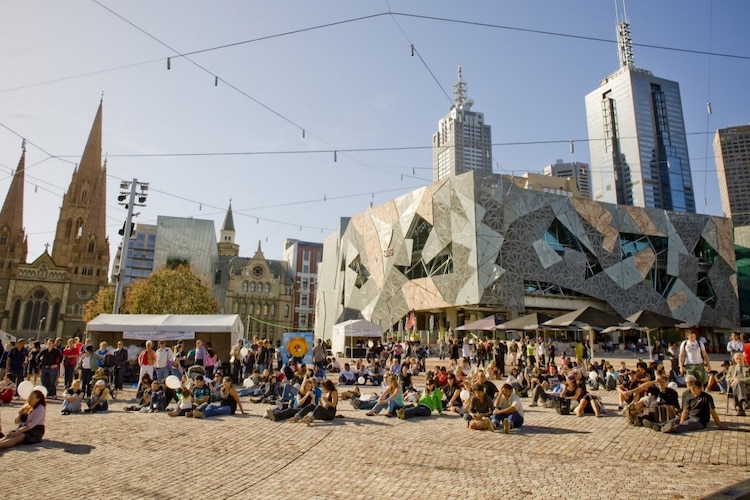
{"x":562,"y":406}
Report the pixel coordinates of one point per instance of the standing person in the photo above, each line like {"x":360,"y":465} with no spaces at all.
{"x":32,"y":361}
{"x":180,"y":359}
{"x":85,"y":364}
{"x":513,"y":351}
{"x":499,"y":356}
{"x":121,"y":361}
{"x":235,"y":361}
{"x":30,"y":420}
{"x":211,"y":360}
{"x":70,"y":360}
{"x":319,"y":358}
{"x":15,"y":363}
{"x":163,"y":361}
{"x":466,"y":350}
{"x":49,"y":361}
{"x":201,"y":353}
{"x":694,"y":359}
{"x":147,"y":359}
{"x":455,"y":352}
{"x":481,"y":354}
{"x":441,"y":348}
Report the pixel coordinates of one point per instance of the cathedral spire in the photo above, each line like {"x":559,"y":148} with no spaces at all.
{"x":226,"y":244}
{"x":13,"y":242}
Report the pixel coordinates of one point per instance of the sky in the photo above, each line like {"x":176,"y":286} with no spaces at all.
{"x":303,"y":112}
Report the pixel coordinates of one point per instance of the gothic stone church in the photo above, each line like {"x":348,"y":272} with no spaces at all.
{"x":48,"y":295}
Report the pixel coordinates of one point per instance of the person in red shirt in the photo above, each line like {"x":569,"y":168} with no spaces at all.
{"x":70,"y":360}
{"x":746,"y":348}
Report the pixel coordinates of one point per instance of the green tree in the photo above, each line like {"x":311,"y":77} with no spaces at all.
{"x":102,"y":303}
{"x":171,"y":291}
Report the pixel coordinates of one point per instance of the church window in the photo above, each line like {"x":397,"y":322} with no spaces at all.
{"x":91,"y":247}
{"x":245,"y":286}
{"x":68,"y":228}
{"x":268,"y":288}
{"x":77,"y":310}
{"x":265,"y":309}
{"x":16,"y":315}
{"x":54,"y":316}
{"x":286,"y":311}
{"x":36,"y":308}
{"x":252,"y":287}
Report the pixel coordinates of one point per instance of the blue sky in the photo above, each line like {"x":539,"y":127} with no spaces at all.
{"x":351,"y":86}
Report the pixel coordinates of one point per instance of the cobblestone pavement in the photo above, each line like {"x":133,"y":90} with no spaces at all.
{"x":128,"y":455}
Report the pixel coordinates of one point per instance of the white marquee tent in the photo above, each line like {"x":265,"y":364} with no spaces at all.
{"x":352,"y":329}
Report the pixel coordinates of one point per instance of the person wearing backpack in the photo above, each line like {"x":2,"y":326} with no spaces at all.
{"x":693,"y":359}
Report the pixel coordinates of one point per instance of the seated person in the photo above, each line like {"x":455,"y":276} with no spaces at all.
{"x":478,"y":409}
{"x":452,"y":391}
{"x":392,"y":398}
{"x":657,"y":393}
{"x":185,"y":405}
{"x":508,"y":410}
{"x":347,"y":375}
{"x":610,"y":378}
{"x":430,"y":400}
{"x":72,"y":398}
{"x":333,"y":366}
{"x":99,"y":400}
{"x":270,"y":391}
{"x":697,"y":409}
{"x":516,"y":381}
{"x":306,"y":396}
{"x":201,"y":392}
{"x":375,"y":373}
{"x":675,"y":375}
{"x":30,"y":422}
{"x":717,"y":378}
{"x":143,"y":387}
{"x":7,"y":386}
{"x":441,"y":377}
{"x":489,"y":388}
{"x":549,"y":388}
{"x":324,"y":410}
{"x":228,"y":404}
{"x":630,"y":390}
{"x":738,"y":381}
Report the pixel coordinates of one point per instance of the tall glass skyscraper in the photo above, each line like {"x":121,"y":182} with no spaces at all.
{"x":463,"y":141}
{"x":639,"y":153}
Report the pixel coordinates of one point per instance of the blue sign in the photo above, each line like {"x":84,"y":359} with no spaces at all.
{"x":297,"y":344}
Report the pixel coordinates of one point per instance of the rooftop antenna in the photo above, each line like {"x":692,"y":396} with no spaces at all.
{"x":624,"y":39}
{"x":460,"y":92}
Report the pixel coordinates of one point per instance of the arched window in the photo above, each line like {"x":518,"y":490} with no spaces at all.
{"x":77,"y":310}
{"x":16,"y":315}
{"x":257,"y":309}
{"x":91,"y":246}
{"x":268,"y":288}
{"x":286,"y":311}
{"x":252,"y":287}
{"x":244,"y":286}
{"x":265,"y":309}
{"x":243,"y":309}
{"x":273,"y":309}
{"x":68,"y":228}
{"x":54,"y":317}
{"x":36,"y":308}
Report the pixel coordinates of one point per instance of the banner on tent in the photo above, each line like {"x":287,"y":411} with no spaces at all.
{"x":159,"y":335}
{"x":297,"y":344}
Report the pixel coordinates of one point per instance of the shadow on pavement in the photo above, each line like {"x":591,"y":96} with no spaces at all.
{"x":735,"y":491}
{"x":50,"y":444}
{"x":538,"y":429}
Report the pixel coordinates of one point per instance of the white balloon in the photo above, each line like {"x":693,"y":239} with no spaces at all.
{"x":41,"y":389}
{"x":25,"y":388}
{"x":592,"y":376}
{"x":244,"y":351}
{"x":173,"y":382}
{"x":464,"y":395}
{"x":361,"y":380}
{"x":248,"y":382}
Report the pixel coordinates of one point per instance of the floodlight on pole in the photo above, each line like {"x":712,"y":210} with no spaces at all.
{"x":127,"y":232}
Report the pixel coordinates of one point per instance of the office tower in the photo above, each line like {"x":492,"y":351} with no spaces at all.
{"x":639,"y":153}
{"x":575,"y":170}
{"x":732,"y":152}
{"x":303,"y":258}
{"x":139,"y":263}
{"x":463,"y":142}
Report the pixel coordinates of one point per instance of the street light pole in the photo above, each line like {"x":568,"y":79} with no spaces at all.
{"x":126,"y":234}
{"x":39,"y":328}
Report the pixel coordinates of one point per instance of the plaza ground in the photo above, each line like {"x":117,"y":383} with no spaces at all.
{"x":129,"y":455}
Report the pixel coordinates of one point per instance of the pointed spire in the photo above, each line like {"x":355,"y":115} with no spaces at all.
{"x":460,"y":92}
{"x":91,"y":160}
{"x":13,"y":240}
{"x":228,"y":219}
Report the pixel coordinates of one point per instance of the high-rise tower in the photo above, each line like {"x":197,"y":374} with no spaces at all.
{"x":81,"y":243}
{"x":639,"y":153}
{"x":732,"y":153}
{"x":463,"y":142}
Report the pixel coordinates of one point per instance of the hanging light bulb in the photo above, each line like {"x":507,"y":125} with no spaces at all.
{"x":335,"y":156}
{"x":169,"y":63}
{"x":303,"y":133}
{"x":325,"y":198}
{"x":257,"y":220}
{"x":200,"y":206}
{"x":216,"y":81}
{"x":411,"y":48}
{"x":708,"y":107}
{"x":572,"y":147}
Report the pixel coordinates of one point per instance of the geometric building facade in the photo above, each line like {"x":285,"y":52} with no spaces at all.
{"x":479,"y":242}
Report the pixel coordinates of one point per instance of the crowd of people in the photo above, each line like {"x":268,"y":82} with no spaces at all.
{"x":484,"y":382}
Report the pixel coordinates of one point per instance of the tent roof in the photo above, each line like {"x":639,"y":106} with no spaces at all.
{"x":652,"y":320}
{"x":529,"y":322}
{"x":358,"y":328}
{"x":487,"y":323}
{"x":210,"y":323}
{"x":587,"y":315}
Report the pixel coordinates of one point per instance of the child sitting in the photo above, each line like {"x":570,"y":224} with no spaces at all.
{"x":185,"y":406}
{"x":7,"y":386}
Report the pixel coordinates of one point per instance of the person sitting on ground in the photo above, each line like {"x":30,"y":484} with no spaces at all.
{"x":347,"y":376}
{"x":29,"y":421}
{"x":201,"y":392}
{"x":697,"y":409}
{"x":72,"y":398}
{"x":99,"y":400}
{"x":324,"y":410}
{"x":185,"y":406}
{"x":430,"y":400}
{"x":588,"y":403}
{"x":441,"y":376}
{"x":375,"y":373}
{"x":674,"y":373}
{"x":610,"y":377}
{"x":392,"y":398}
{"x":657,"y":393}
{"x":549,"y":388}
{"x":478,"y":409}
{"x":333,"y":366}
{"x":516,"y":381}
{"x":508,"y":410}
{"x":629,"y":391}
{"x":738,"y":381}
{"x":143,"y":387}
{"x":271,"y":391}
{"x":7,"y":386}
{"x":717,"y":378}
{"x":228,"y":405}
{"x":489,"y":388}
{"x":306,"y":396}
{"x":452,"y":391}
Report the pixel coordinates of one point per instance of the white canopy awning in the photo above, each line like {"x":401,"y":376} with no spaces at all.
{"x":149,"y":324}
